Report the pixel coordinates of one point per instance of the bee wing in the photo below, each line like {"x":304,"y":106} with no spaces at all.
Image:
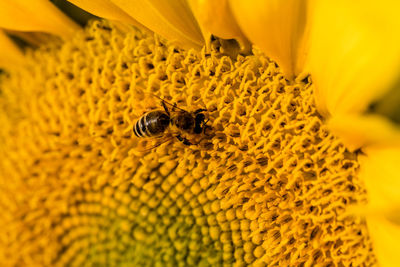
{"x":172,"y":107}
{"x":150,"y":101}
{"x":151,"y":143}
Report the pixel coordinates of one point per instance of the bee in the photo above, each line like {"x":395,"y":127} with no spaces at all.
{"x":161,"y":122}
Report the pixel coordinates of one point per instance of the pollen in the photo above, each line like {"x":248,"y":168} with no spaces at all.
{"x":267,"y":184}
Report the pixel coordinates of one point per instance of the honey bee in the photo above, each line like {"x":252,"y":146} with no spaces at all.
{"x":161,"y":123}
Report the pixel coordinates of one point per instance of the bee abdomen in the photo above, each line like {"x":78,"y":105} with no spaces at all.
{"x":140,"y":127}
{"x":151,"y":124}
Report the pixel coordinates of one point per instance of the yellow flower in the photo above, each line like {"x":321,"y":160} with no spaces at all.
{"x":295,"y":152}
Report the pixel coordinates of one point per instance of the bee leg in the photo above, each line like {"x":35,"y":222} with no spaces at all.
{"x":205,"y":127}
{"x":165,"y":107}
{"x":174,"y":106}
{"x":183,"y":140}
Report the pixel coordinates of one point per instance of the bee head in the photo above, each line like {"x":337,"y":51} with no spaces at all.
{"x":199,"y":123}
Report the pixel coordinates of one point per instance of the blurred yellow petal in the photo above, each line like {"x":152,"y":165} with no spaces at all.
{"x":38,"y":15}
{"x":10,"y":54}
{"x":354,"y":53}
{"x":380,"y":172}
{"x":34,"y":39}
{"x":215,"y":17}
{"x":367,"y":130}
{"x":279,"y":28}
{"x":171,"y":19}
{"x":388,"y":105}
{"x":106,"y":9}
{"x":385,"y":236}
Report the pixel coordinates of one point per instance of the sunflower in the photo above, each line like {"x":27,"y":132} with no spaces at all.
{"x":298,"y":166}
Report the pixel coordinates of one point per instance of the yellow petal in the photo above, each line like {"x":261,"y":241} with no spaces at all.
{"x":106,"y":9}
{"x":171,"y":19}
{"x":354,"y":53}
{"x":279,"y":28}
{"x":385,"y":236}
{"x":364,"y":130}
{"x":34,"y":39}
{"x":38,"y":15}
{"x":215,"y":17}
{"x":380,"y":170}
{"x":10,"y":54}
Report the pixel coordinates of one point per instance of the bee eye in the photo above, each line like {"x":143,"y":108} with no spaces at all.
{"x":200,"y":117}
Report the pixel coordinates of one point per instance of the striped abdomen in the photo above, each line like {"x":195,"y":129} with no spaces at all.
{"x":152,"y":124}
